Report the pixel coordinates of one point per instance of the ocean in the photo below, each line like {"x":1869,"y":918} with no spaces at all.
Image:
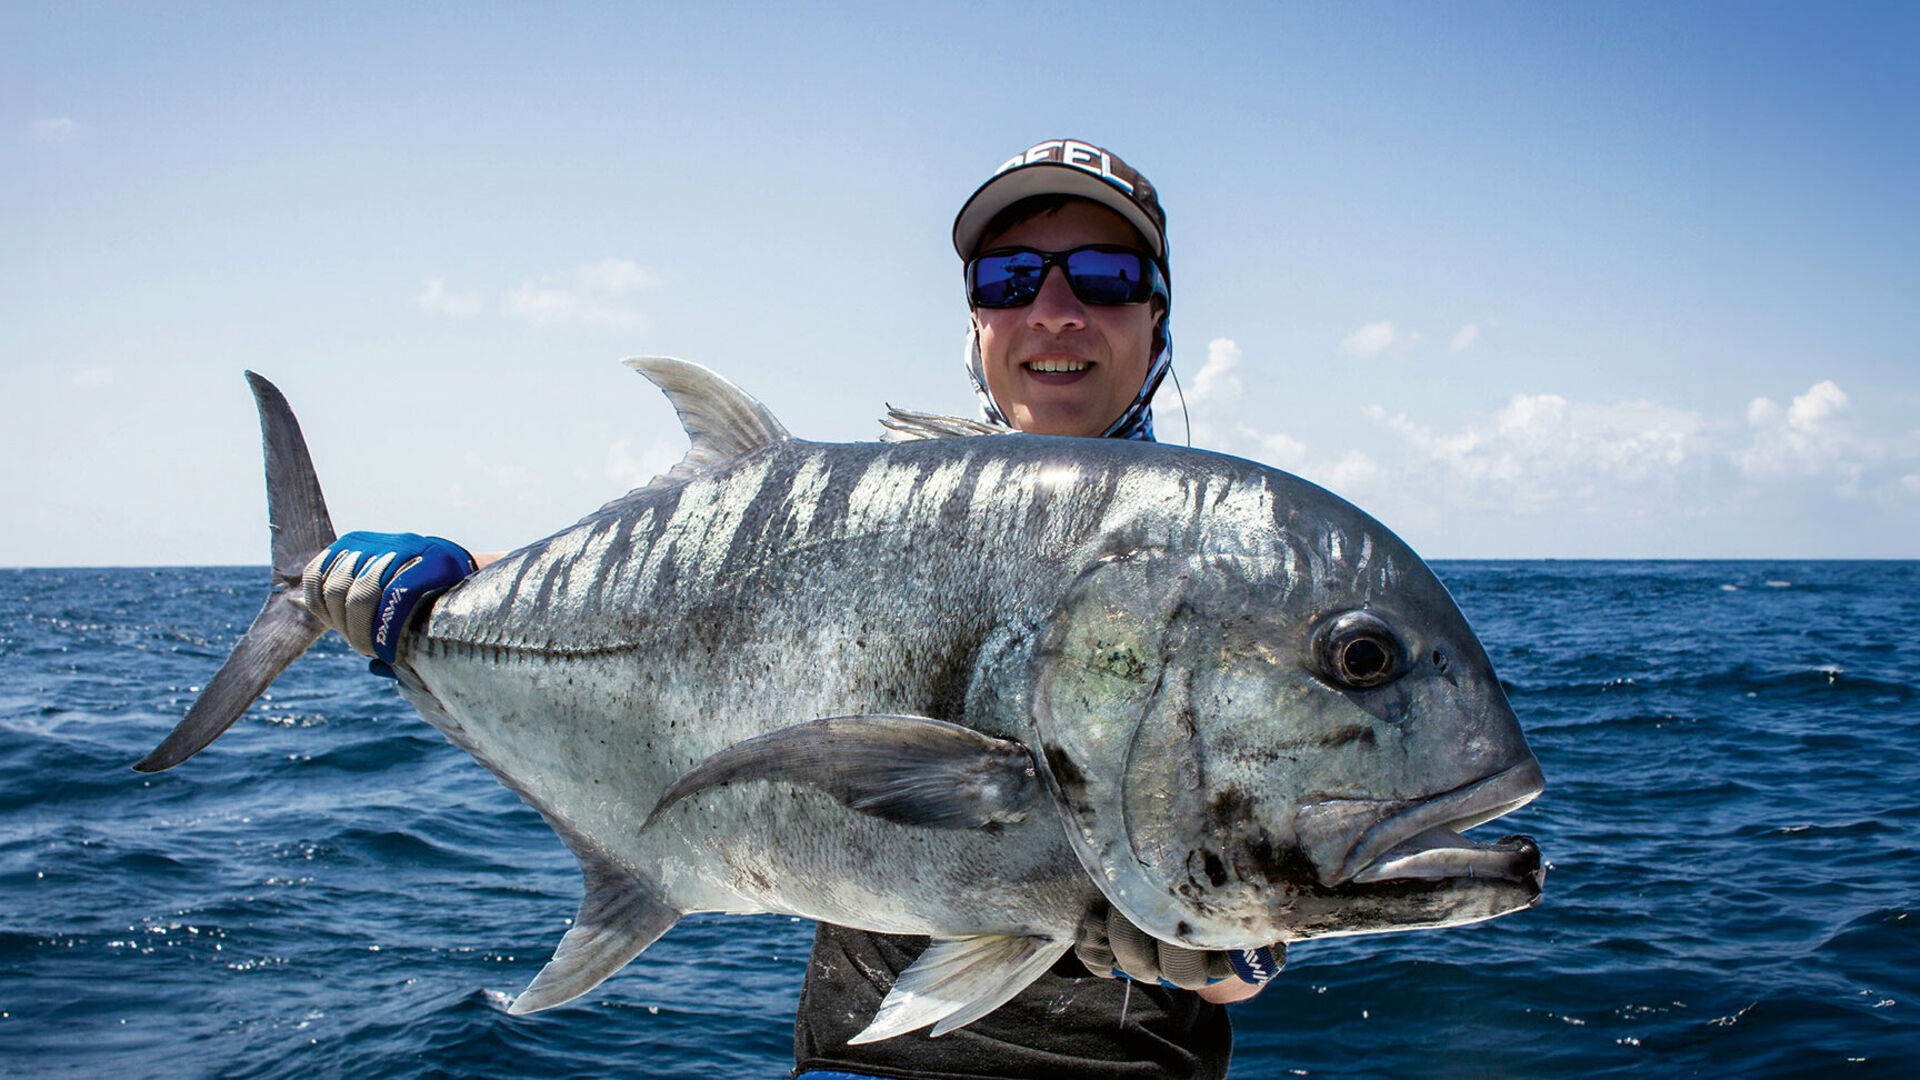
{"x":1732,"y":818}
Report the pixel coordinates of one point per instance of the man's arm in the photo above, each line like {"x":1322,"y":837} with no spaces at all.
{"x":1226,"y":993}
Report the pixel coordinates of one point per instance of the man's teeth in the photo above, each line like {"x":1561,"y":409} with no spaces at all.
{"x":1058,"y":365}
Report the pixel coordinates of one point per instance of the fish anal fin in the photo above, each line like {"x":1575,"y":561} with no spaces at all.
{"x":959,"y":980}
{"x":618,"y":919}
{"x":911,"y":770}
{"x":723,"y":422}
{"x":619,"y":916}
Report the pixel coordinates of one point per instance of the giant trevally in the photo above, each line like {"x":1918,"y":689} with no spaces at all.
{"x":963,"y":685}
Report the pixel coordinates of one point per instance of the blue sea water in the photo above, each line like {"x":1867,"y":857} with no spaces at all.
{"x":1732,"y":816}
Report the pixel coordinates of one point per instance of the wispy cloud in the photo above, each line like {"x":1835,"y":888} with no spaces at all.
{"x":1464,"y":338}
{"x":1213,"y":410}
{"x":599,"y":293}
{"x":631,"y":470}
{"x":435,"y":297}
{"x":93,"y":378}
{"x":1370,"y":340}
{"x":602,"y":293}
{"x":55,"y":129}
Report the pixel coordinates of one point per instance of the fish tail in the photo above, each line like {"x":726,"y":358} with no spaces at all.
{"x":299,"y":527}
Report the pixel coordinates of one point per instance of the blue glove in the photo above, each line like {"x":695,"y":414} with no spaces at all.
{"x":1111,"y":946}
{"x":1258,"y":966}
{"x":367,"y":585}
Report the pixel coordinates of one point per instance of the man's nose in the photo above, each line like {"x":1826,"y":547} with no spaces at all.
{"x":1055,"y":309}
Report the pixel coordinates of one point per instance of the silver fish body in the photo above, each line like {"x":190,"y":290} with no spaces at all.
{"x":972,"y":687}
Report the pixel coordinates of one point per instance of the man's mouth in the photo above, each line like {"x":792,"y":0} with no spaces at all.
{"x":1057,"y":370}
{"x":1057,"y":364}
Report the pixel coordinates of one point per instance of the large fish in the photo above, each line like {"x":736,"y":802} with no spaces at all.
{"x":964,"y":685}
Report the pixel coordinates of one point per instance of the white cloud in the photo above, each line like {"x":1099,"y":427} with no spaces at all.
{"x":1354,"y":470}
{"x":631,"y":470}
{"x":1370,"y":340}
{"x":55,"y":129}
{"x":1544,"y":468}
{"x":501,"y":475}
{"x":1464,"y":338}
{"x":1810,"y":437}
{"x":1273,"y":448}
{"x":93,"y":378}
{"x":1214,"y":402}
{"x":601,"y":293}
{"x":598,"y":293}
{"x":1216,"y":378}
{"x":1821,"y":401}
{"x":1541,"y":449}
{"x":615,"y":276}
{"x":434,"y":297}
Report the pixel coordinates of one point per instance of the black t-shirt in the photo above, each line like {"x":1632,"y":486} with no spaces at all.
{"x":1066,"y":1026}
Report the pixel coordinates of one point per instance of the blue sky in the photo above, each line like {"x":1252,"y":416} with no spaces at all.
{"x":1606,"y":280}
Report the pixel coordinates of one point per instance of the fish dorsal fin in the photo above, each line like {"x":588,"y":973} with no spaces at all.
{"x":906,"y":425}
{"x":959,"y":980}
{"x":723,"y":422}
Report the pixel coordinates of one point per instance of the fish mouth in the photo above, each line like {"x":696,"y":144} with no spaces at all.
{"x":1441,"y":853}
{"x":1422,"y":841}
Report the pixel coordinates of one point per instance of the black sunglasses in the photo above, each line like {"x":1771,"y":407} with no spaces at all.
{"x":1099,"y":274}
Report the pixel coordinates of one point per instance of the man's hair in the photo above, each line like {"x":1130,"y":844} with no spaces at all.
{"x":1034,"y":206}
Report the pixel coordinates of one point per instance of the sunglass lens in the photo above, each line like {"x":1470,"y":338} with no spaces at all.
{"x":1009,"y":280}
{"x":1107,"y":277}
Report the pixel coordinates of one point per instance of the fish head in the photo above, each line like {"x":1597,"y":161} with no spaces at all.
{"x":1252,"y":746}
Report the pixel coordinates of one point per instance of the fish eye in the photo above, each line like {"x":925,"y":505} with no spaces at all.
{"x":1358,"y":650}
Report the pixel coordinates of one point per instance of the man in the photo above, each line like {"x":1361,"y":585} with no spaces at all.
{"x":1068,"y":286}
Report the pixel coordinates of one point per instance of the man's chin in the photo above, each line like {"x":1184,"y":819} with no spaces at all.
{"x":1044,"y":420}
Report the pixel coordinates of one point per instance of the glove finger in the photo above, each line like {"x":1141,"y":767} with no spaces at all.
{"x":363,"y":603}
{"x":1219,"y":966}
{"x":312,"y":579}
{"x":1134,"y":952}
{"x":333,"y":592}
{"x":405,"y":592}
{"x":1183,"y":967}
{"x":1090,"y":945}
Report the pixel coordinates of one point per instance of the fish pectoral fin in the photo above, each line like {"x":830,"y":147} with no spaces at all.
{"x":959,"y":980}
{"x":912,"y":770}
{"x":619,"y":917}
